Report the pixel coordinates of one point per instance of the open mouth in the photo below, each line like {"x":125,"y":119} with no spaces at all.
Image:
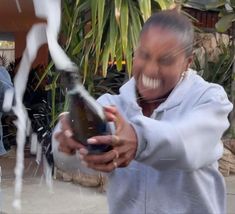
{"x":150,"y":83}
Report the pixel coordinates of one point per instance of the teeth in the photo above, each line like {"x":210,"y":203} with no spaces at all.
{"x":150,"y":82}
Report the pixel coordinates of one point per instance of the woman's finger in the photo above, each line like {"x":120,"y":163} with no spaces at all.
{"x":112,"y":165}
{"x":66,"y":150}
{"x":65,"y":122}
{"x":103,"y":139}
{"x":110,"y":109}
{"x":100,"y":159}
{"x":110,"y":113}
{"x":121,"y":152}
{"x":63,"y":114}
{"x":63,"y":138}
{"x":113,"y":140}
{"x":110,"y":117}
{"x":114,"y":115}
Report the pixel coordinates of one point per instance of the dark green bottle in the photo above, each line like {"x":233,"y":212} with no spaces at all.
{"x":86,"y":116}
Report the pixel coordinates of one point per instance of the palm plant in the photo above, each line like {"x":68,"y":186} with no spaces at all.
{"x":3,"y":60}
{"x":226,"y":22}
{"x":98,"y":36}
{"x":226,"y":10}
{"x":220,"y":70}
{"x":226,"y":13}
{"x":105,"y":31}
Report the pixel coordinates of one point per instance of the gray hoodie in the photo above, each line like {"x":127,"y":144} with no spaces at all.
{"x":175,"y":170}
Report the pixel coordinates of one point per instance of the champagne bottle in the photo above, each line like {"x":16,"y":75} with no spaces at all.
{"x":86,"y":116}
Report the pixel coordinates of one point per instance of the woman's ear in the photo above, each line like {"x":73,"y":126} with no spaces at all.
{"x":189,"y":61}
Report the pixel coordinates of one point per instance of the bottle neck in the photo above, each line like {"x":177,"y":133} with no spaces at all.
{"x":71,"y":79}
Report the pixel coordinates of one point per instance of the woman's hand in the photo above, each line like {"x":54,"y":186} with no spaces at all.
{"x":124,"y":144}
{"x":66,"y":143}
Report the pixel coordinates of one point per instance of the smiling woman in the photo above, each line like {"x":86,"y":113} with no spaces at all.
{"x":161,"y":63}
{"x":156,"y":66}
{"x":164,"y":156}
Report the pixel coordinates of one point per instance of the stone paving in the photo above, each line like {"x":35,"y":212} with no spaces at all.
{"x":64,"y":197}
{"x":39,"y":198}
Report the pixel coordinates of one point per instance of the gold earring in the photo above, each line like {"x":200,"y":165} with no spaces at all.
{"x":183,"y":74}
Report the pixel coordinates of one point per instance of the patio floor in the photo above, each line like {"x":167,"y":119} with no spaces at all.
{"x":65,"y":197}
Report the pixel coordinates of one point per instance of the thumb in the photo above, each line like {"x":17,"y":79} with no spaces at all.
{"x":114,"y":115}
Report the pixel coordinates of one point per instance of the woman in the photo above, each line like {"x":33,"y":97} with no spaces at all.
{"x":168,"y":126}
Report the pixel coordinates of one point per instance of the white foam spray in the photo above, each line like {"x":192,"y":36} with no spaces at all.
{"x":38,"y":35}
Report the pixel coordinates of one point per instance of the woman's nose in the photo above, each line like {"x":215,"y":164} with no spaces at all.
{"x":151,"y":68}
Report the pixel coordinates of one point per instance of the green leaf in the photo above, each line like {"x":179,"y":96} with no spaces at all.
{"x":135,"y":25}
{"x":124,"y":21}
{"x":113,"y":35}
{"x":45,"y":73}
{"x":129,"y":57}
{"x":100,"y":31}
{"x":94,"y":5}
{"x":165,"y":4}
{"x":72,"y":27}
{"x":221,"y":62}
{"x":105,"y":59}
{"x":225,"y":23}
{"x":89,"y":34}
{"x":223,"y":12}
{"x":162,"y":4}
{"x":145,"y":8}
{"x":232,"y":2}
{"x":53,"y":92}
{"x":66,"y":104}
{"x":119,"y":55}
{"x":85,"y":67}
{"x":66,"y":13}
{"x":117,"y":11}
{"x":189,"y":16}
{"x":214,"y":5}
{"x":78,"y":48}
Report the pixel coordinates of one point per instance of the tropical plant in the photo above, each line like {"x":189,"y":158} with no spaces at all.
{"x":220,"y":70}
{"x":105,"y":31}
{"x":109,"y":84}
{"x":226,"y":22}
{"x":226,"y":10}
{"x":3,"y":60}
{"x":226,"y":13}
{"x":98,"y":35}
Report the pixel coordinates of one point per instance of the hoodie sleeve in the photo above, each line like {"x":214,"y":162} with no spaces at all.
{"x":5,"y":84}
{"x":188,"y":143}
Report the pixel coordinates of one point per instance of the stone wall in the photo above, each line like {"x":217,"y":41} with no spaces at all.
{"x":209,"y":43}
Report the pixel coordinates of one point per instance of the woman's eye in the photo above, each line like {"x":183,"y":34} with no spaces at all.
{"x":166,"y":61}
{"x":143,"y":55}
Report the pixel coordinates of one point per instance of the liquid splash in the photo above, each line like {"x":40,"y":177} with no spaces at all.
{"x":38,"y":35}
